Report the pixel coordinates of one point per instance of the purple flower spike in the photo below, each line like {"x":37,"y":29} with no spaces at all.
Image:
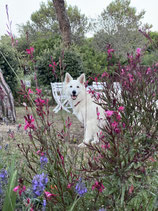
{"x":80,"y":188}
{"x":38,"y":184}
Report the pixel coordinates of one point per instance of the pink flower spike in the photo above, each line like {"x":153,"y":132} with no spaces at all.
{"x":114,"y":124}
{"x":21,"y":189}
{"x":105,"y":146}
{"x":28,"y":51}
{"x":105,"y":74}
{"x":123,"y":125}
{"x":69,"y":186}
{"x":138,"y":51}
{"x":30,"y":91}
{"x":109,"y":113}
{"x":32,"y":49}
{"x":49,"y":195}
{"x":29,"y":122}
{"x":38,"y":91}
{"x":16,"y":188}
{"x":99,"y":186}
{"x":118,"y":117}
{"x":121,"y":108}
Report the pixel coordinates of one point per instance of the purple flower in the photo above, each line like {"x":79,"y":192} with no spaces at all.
{"x":43,"y":161}
{"x":3,"y":178}
{"x":38,"y":184}
{"x":102,"y":209}
{"x":44,"y":205}
{"x":80,"y":188}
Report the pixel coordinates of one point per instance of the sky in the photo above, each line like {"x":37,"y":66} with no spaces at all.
{"x":20,"y":11}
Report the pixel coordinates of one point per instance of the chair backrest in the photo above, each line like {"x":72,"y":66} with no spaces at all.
{"x":98,"y":85}
{"x":57,"y":90}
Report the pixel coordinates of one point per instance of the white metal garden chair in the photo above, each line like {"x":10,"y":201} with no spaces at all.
{"x":59,"y":97}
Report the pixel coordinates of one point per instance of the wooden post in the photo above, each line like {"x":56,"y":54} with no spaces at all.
{"x":7,"y":109}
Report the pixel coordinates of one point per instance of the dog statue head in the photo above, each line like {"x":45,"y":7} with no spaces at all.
{"x":74,"y":88}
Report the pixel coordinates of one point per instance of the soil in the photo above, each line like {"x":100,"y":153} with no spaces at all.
{"x":8,"y":130}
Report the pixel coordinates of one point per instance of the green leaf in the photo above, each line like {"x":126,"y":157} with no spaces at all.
{"x":10,"y":198}
{"x":123,"y":194}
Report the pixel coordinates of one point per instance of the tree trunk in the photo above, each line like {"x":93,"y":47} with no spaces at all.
{"x":7,"y":109}
{"x":63,"y":20}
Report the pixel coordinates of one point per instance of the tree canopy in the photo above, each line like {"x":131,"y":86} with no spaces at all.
{"x":119,"y":26}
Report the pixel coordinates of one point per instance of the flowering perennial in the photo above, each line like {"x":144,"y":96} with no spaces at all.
{"x":43,"y":160}
{"x":80,"y":188}
{"x":20,"y":189}
{"x":29,"y":122}
{"x":38,"y":184}
{"x":99,"y":186}
{"x":3,"y":178}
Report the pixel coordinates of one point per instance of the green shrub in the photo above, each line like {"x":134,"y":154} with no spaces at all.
{"x":6,"y":63}
{"x":150,"y":58}
{"x":67,"y":61}
{"x":94,"y":62}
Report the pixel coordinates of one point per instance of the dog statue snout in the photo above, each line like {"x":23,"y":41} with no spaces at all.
{"x":74,"y":92}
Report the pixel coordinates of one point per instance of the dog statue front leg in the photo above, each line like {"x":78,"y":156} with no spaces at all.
{"x":87,"y":138}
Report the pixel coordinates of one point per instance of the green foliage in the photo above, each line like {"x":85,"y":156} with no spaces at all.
{"x":10,"y":196}
{"x":94,"y":61}
{"x":42,"y":44}
{"x":11,"y":56}
{"x":150,"y":57}
{"x":67,"y":61}
{"x":119,"y":26}
{"x":44,"y":24}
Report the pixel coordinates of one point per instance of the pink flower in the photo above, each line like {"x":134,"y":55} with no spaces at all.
{"x":21,"y":189}
{"x":53,"y":65}
{"x":105,"y":74}
{"x":118,"y":117}
{"x":148,"y":70}
{"x":138,"y":51}
{"x":123,"y":125}
{"x":69,"y":185}
{"x":29,"y":122}
{"x":105,"y":146}
{"x":68,"y":123}
{"x":117,"y":130}
{"x":98,"y":113}
{"x":99,"y":186}
{"x":130,"y":77}
{"x":30,"y":50}
{"x":61,"y":156}
{"x":131,"y":189}
{"x":39,"y":152}
{"x":110,"y":50}
{"x":114,"y":124}
{"x":19,"y":126}
{"x":97,"y":95}
{"x":122,"y":71}
{"x":49,"y":195}
{"x":40,"y":102}
{"x":151,"y":159}
{"x":38,"y":91}
{"x":30,"y":91}
{"x":121,"y":108}
{"x":109,"y":113}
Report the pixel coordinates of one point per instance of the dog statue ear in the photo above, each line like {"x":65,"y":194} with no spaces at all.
{"x":82,"y":78}
{"x":68,"y":78}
